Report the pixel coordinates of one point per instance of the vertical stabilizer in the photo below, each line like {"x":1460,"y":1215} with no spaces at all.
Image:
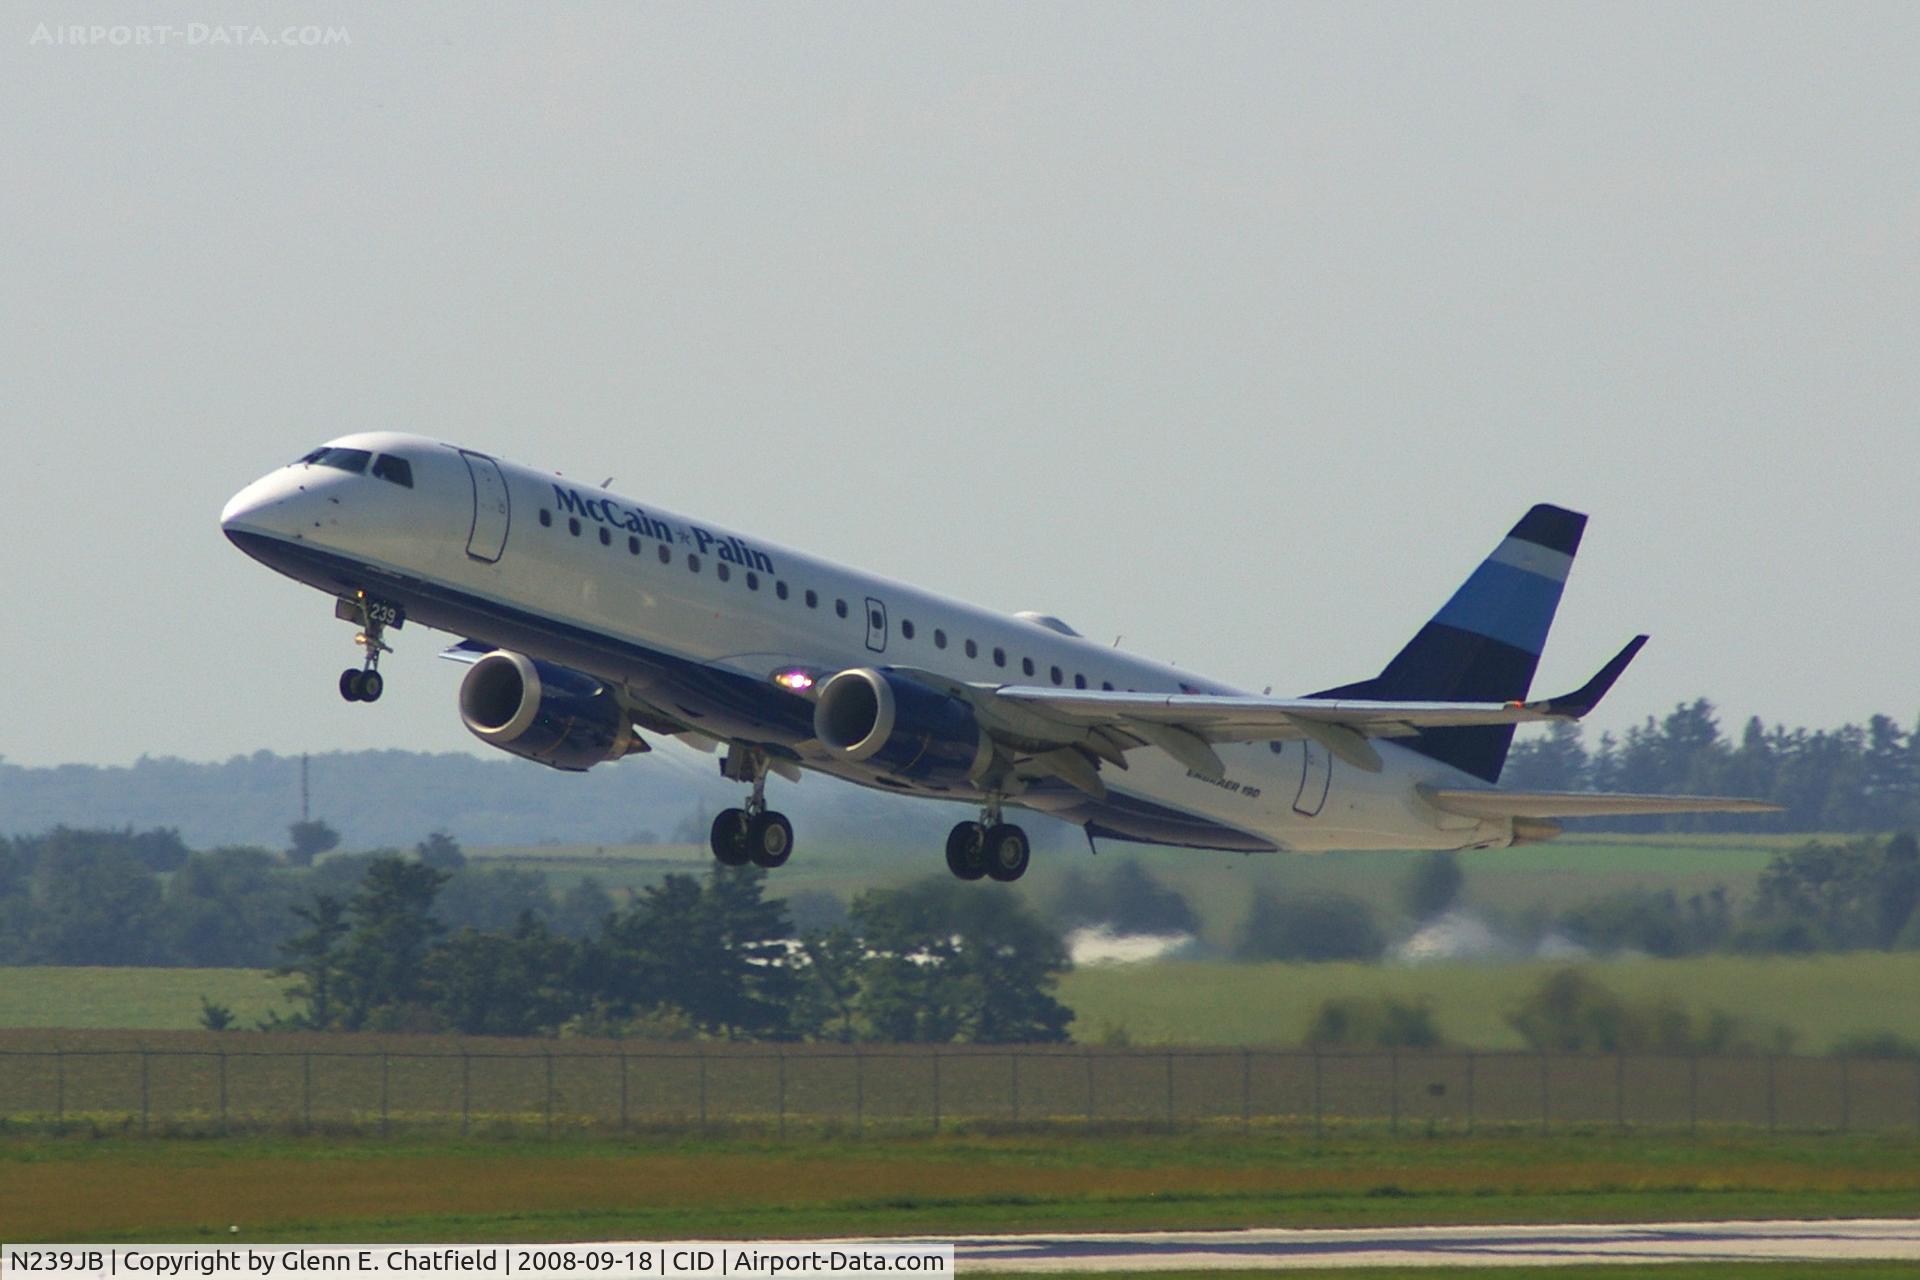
{"x":1485,"y":642}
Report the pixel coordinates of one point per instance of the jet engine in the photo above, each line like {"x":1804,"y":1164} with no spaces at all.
{"x":897,"y":724}
{"x":555,"y":715}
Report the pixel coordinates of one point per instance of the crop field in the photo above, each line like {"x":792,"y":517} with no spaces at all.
{"x":331,"y":1188}
{"x":1818,"y":999}
{"x":143,"y":999}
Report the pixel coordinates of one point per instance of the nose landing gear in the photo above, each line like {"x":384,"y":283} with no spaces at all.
{"x":365,"y":684}
{"x":755,"y":833}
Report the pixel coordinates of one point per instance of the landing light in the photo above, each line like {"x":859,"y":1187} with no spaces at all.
{"x":795,"y":681}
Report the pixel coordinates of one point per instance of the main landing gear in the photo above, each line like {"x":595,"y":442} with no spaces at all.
{"x":756,"y":833}
{"x":365,"y":683}
{"x":989,"y":847}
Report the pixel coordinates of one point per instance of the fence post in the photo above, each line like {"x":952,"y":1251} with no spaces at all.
{"x":1169,"y":1091}
{"x":781,"y":1056}
{"x":466,"y":1092}
{"x":1620,"y":1091}
{"x":1846,"y":1094}
{"x":306,"y":1091}
{"x":936,"y":1090}
{"x":1317,"y":1122}
{"x":60,"y":1086}
{"x":385,"y":1060}
{"x":1546,"y":1100}
{"x":1013,"y":1086}
{"x":1470,"y":1099}
{"x":1393,"y":1088}
{"x":223,"y":1091}
{"x":859,"y":1092}
{"x":146,"y":1095}
{"x":1246,"y":1091}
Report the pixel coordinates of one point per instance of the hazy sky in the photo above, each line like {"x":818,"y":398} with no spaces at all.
{"x":1242,"y":331}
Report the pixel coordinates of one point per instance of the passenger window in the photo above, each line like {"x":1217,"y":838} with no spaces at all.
{"x":666,"y":554}
{"x":546,"y":518}
{"x":973,"y":650}
{"x":780,"y":588}
{"x":840,"y":607}
{"x":753,"y":581}
{"x":999,"y":657}
{"x":633,"y":545}
{"x":722,"y":570}
{"x":1107,"y":685}
{"x":1026,"y":666}
{"x":396,"y":470}
{"x":693,"y":563}
{"x":1055,"y":673}
{"x":573,"y":525}
{"x":906,"y":628}
{"x":813,"y":598}
{"x":939,"y":638}
{"x":1079,"y":681}
{"x":606,"y":537}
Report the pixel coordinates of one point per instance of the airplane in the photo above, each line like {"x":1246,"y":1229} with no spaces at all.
{"x":587,"y":618}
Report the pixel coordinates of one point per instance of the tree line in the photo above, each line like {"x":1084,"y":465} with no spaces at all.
{"x":710,"y":957}
{"x":1854,"y":778}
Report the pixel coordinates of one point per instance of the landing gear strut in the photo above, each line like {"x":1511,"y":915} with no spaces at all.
{"x":989,"y":847}
{"x":365,"y":683}
{"x":756,"y":833}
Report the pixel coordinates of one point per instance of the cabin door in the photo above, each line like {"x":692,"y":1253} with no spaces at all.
{"x":488,"y":536}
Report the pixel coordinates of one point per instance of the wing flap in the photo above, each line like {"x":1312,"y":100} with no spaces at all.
{"x":1482,"y":803}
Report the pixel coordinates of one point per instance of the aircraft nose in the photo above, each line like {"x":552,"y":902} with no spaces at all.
{"x":261,"y":507}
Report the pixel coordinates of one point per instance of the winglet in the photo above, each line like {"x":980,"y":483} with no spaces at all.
{"x":1573,"y":706}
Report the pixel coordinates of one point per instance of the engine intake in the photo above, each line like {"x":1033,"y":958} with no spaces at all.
{"x":899,"y":725}
{"x":554,"y":715}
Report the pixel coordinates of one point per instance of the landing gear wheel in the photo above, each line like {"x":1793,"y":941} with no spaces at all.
{"x":966,"y":850}
{"x":769,"y":839}
{"x":350,"y":684}
{"x":1006,"y":852}
{"x":729,"y":837}
{"x":371,"y":686}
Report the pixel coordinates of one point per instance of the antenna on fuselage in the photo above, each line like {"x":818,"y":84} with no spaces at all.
{"x":607,"y":483}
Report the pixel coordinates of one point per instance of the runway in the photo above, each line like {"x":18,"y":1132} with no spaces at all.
{"x":1624,"y":1243}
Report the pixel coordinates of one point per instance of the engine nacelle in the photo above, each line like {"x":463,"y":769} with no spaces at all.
{"x":555,"y":715}
{"x":894,"y":723}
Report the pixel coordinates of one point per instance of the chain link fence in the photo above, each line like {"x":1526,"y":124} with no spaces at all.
{"x":779,"y":1089}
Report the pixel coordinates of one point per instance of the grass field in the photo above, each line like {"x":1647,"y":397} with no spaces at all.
{"x":132,"y":999}
{"x":333,"y":1189}
{"x":1819,"y":998}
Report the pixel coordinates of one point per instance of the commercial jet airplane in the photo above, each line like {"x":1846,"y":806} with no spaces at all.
{"x":587,"y":618}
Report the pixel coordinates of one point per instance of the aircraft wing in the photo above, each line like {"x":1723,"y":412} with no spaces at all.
{"x":1049,"y":723}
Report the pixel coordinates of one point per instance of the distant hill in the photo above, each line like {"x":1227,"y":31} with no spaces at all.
{"x":393,"y":798}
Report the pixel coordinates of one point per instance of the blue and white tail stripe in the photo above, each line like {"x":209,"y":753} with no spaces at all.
{"x":1485,"y":642}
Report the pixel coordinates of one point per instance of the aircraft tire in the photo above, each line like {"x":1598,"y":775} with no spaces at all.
{"x":966,"y":850}
{"x":729,"y":837}
{"x":371,"y":686}
{"x":1006,"y":853}
{"x":350,"y":684}
{"x":769,"y":840}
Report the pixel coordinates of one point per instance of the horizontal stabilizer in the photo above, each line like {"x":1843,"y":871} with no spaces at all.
{"x":1478,"y":803}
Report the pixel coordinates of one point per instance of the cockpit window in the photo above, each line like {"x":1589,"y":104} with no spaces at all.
{"x":398,"y":470}
{"x":354,"y":460}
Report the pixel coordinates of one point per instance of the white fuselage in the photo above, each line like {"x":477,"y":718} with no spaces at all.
{"x":694,"y":620}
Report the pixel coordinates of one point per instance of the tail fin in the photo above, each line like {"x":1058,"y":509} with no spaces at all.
{"x":1485,"y":642}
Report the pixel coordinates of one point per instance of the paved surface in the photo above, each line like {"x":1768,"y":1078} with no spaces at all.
{"x":1641,"y":1242}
